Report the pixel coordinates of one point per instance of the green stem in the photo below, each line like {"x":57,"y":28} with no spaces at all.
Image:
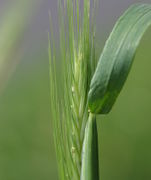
{"x":90,"y":161}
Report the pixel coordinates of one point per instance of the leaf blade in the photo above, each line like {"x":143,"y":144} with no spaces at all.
{"x":117,"y":57}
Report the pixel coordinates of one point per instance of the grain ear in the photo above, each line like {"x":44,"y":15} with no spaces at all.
{"x":69,"y":85}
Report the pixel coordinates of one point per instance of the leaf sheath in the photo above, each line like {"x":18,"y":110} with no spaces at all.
{"x":90,"y":161}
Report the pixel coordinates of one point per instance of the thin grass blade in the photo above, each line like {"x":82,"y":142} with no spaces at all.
{"x":13,"y":24}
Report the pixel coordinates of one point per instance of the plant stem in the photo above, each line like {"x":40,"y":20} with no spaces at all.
{"x":90,"y":161}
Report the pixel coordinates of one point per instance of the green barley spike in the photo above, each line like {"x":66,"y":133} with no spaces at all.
{"x":70,"y":86}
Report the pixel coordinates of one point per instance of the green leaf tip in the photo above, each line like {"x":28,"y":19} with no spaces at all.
{"x":117,"y":57}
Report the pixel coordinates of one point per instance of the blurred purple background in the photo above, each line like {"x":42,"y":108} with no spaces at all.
{"x":109,"y":11}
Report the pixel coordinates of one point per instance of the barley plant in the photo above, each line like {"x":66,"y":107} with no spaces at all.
{"x":80,"y":90}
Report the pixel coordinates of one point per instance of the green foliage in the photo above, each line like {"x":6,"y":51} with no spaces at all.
{"x":117,"y":57}
{"x":75,"y":128}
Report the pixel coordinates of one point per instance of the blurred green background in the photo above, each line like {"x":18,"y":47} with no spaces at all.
{"x":26,"y":139}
